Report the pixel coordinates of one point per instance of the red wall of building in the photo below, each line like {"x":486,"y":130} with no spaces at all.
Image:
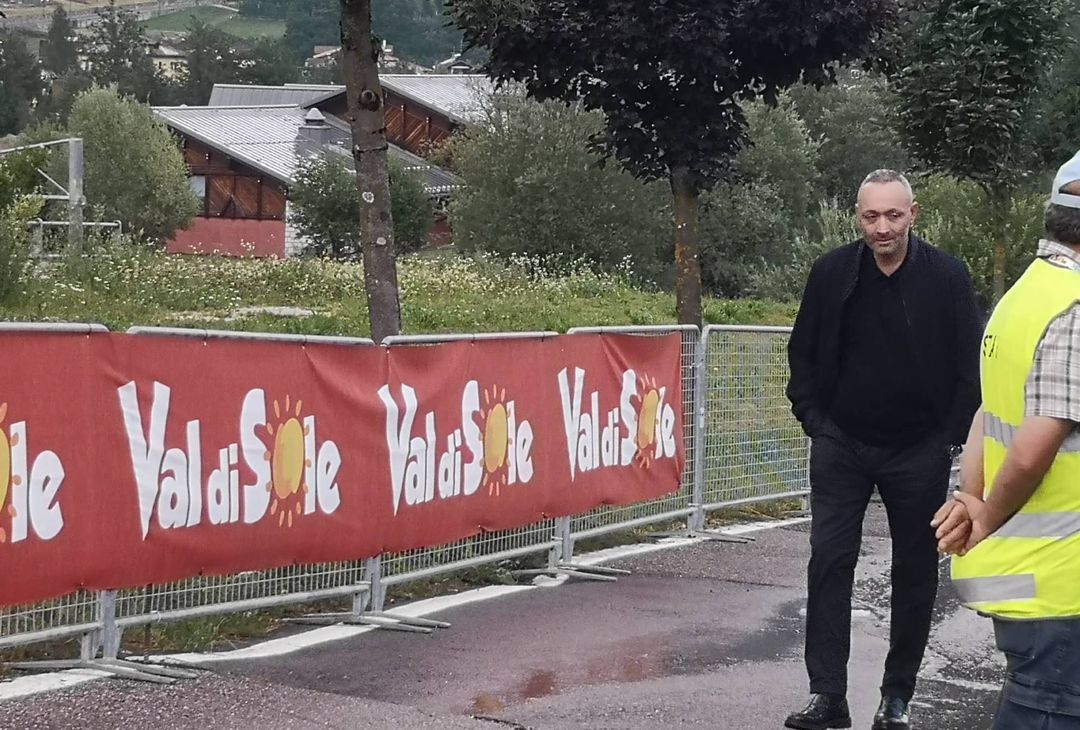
{"x":231,"y":237}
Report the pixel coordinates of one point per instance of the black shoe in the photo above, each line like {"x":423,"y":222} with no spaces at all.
{"x":823,"y":712}
{"x":892,"y":714}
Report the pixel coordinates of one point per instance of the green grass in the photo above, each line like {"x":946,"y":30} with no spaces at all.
{"x":235,"y":24}
{"x":121,"y":287}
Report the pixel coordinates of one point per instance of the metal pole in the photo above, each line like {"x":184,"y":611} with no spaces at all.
{"x":75,"y":193}
{"x":697,"y":521}
{"x":378,"y":590}
{"x":110,"y":632}
{"x":565,"y":533}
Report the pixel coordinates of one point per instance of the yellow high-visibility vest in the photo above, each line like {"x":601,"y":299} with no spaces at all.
{"x":1030,"y":567}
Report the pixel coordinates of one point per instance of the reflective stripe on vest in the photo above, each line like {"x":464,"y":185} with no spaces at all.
{"x":1004,"y":433}
{"x":996,"y":588}
{"x":1056,"y":525}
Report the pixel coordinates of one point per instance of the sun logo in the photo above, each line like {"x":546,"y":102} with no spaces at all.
{"x":648,"y":405}
{"x":496,"y":439}
{"x":7,"y":479}
{"x":287,"y":463}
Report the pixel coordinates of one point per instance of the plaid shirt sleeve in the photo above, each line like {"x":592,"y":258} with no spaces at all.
{"x":1053,"y":386}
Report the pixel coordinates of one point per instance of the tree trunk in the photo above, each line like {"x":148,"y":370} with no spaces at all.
{"x":1000,"y":202}
{"x":365,"y":117}
{"x":687,"y":257}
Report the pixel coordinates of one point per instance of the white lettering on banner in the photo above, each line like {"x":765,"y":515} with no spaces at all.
{"x":294,"y":475}
{"x":34,"y":487}
{"x":637,"y":431}
{"x":426,"y":466}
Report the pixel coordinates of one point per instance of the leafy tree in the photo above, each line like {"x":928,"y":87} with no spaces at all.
{"x":134,"y":170}
{"x":753,"y":218}
{"x":312,"y":23}
{"x":854,"y":126}
{"x":55,"y":105}
{"x":117,"y":56}
{"x":326,"y":208}
{"x":61,"y":52}
{"x":421,"y":30}
{"x":956,"y":216}
{"x":533,"y":187}
{"x":412,"y":209}
{"x":832,"y":225}
{"x":267,"y":62}
{"x":211,"y":60}
{"x":20,"y":82}
{"x":332,"y":73}
{"x":15,"y":244}
{"x":669,"y":77}
{"x":1056,"y":124}
{"x":19,"y":175}
{"x":966,"y":85}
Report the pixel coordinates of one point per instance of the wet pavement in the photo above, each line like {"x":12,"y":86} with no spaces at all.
{"x":704,"y":636}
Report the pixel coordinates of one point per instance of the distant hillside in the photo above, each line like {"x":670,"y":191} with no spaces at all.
{"x":419,"y":30}
{"x":229,"y":21}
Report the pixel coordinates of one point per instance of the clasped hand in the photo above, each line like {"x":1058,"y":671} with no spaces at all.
{"x":960,"y":524}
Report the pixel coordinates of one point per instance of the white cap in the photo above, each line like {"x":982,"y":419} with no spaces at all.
{"x":1069,"y":173}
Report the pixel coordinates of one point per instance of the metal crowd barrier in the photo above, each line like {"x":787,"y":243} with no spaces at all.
{"x":741,"y":444}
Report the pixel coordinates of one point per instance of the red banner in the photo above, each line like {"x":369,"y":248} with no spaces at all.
{"x":128,"y":460}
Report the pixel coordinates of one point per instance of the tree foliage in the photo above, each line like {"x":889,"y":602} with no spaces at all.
{"x":853,"y":124}
{"x":19,"y":176}
{"x":267,"y":62}
{"x":61,"y":52}
{"x":211,"y":59}
{"x":669,"y":76}
{"x":753,"y":219}
{"x":15,"y":244}
{"x":420,"y":30}
{"x":326,"y":208}
{"x":116,"y":54}
{"x":20,"y":82}
{"x":533,"y":188}
{"x":312,"y":23}
{"x":135,"y":172}
{"x":966,"y":84}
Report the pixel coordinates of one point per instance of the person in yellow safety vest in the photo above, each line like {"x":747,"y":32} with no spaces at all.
{"x":1014,"y":526}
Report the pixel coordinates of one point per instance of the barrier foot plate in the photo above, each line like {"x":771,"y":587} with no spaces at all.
{"x":389,"y":623}
{"x":162,"y":670}
{"x":115,"y":668}
{"x":599,"y":569}
{"x":427,"y":623}
{"x":716,"y":536}
{"x":320,"y":619}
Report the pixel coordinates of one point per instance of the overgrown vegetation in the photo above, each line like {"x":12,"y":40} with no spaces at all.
{"x":126,"y":284}
{"x":326,"y":207}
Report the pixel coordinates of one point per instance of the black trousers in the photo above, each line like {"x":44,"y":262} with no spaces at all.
{"x":913,"y":483}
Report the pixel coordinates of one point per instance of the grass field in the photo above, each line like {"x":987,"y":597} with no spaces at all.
{"x":122,"y":287}
{"x":228,"y":21}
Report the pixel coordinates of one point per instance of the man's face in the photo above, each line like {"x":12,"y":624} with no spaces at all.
{"x":885,"y":215}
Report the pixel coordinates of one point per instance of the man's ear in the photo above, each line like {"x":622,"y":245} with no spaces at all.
{"x":914,"y":212}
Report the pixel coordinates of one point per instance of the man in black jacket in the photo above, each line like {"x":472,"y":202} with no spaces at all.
{"x":884,"y":379}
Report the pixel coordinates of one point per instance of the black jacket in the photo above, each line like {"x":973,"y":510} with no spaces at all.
{"x":946,"y":325}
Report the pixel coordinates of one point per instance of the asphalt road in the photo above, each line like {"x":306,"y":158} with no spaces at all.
{"x":705,"y":636}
